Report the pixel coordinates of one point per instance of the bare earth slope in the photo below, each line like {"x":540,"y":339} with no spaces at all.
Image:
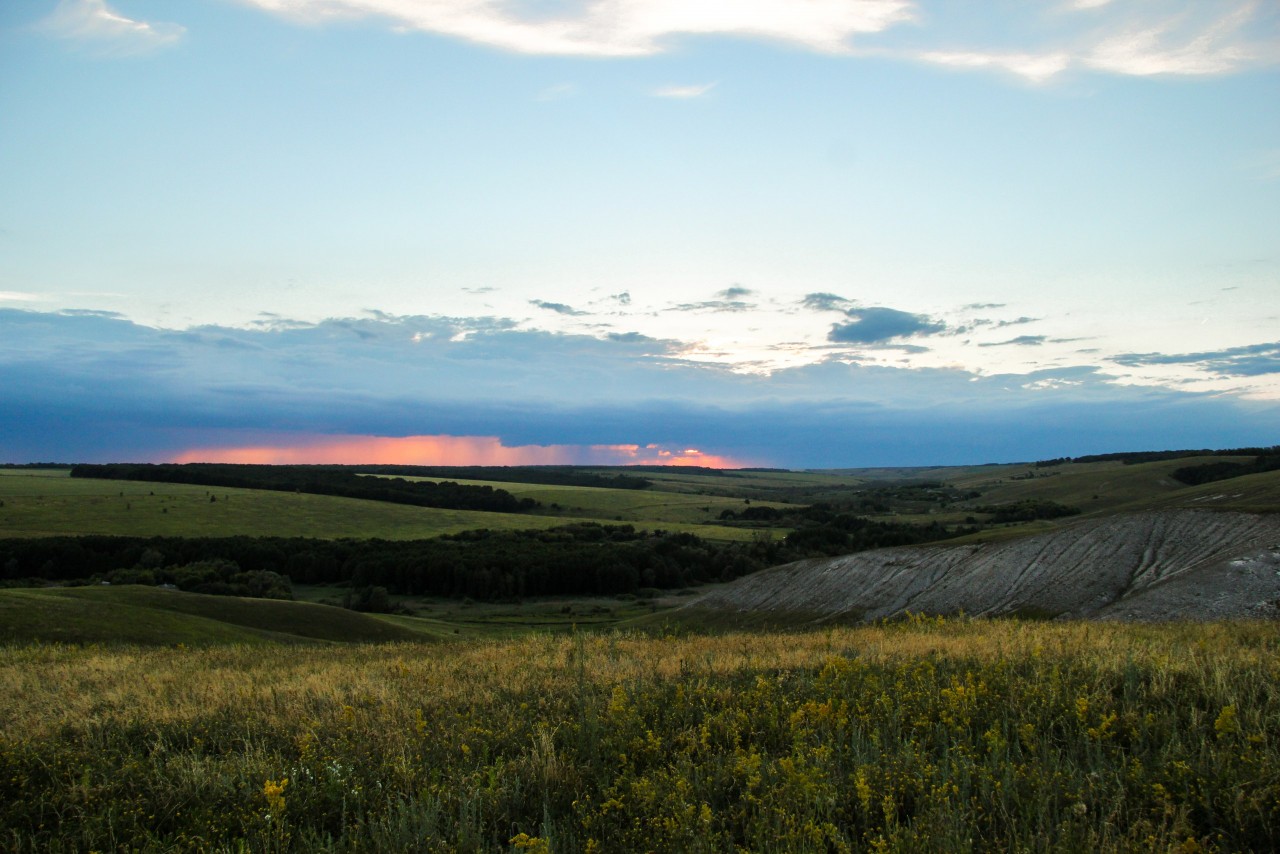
{"x":1160,"y":565}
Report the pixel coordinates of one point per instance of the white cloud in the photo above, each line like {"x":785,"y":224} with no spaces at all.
{"x":1033,"y":40}
{"x":696,"y":91}
{"x":1190,"y":43}
{"x":17,"y":296}
{"x":1032,"y":66}
{"x":1128,"y":37}
{"x":618,"y":27}
{"x":558,"y":92}
{"x":93,"y":22}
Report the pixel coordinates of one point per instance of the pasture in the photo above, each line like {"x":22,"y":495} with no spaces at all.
{"x":48,"y":502}
{"x":651,"y":506}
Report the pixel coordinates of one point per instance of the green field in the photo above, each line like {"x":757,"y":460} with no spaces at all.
{"x":654,"y":505}
{"x":926,"y":735}
{"x":48,"y":502}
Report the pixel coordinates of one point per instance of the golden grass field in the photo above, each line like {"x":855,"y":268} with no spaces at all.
{"x":921,"y":735}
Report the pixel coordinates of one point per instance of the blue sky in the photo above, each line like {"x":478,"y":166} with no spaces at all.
{"x":826,"y":233}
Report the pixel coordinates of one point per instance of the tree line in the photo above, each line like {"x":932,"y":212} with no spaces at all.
{"x":1130,"y":458}
{"x":1269,"y":460}
{"x":342,"y":481}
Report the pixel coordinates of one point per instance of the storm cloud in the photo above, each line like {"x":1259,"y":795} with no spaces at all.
{"x":89,"y":387}
{"x":1247,"y":361}
{"x":876,"y":325}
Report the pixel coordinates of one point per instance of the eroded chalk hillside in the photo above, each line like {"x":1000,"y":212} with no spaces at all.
{"x":1159,"y":565}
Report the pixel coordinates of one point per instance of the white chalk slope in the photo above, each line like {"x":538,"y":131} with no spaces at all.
{"x":1190,"y":564}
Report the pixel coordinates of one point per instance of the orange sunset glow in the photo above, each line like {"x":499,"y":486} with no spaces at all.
{"x":448,"y":450}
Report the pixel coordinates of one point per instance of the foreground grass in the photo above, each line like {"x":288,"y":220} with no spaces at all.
{"x":956,"y":736}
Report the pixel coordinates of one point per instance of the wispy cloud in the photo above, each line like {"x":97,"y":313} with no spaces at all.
{"x":1036,"y":40}
{"x":1127,"y":37}
{"x":1036,"y":67}
{"x":94,"y":23}
{"x":558,"y":308}
{"x":715,"y":305}
{"x":89,"y":312}
{"x":1020,"y":341}
{"x":18,"y":296}
{"x":826,"y":302}
{"x":1248,"y":361}
{"x":695,"y":91}
{"x":616,"y":27}
{"x":558,"y":92}
{"x":1202,"y":38}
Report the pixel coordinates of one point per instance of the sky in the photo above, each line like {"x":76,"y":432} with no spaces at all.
{"x":791,"y":233}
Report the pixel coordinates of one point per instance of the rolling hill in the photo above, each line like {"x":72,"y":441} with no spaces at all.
{"x":1194,"y":564}
{"x":152,"y":616}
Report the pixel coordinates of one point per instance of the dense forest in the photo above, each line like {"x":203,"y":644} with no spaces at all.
{"x":344,"y":481}
{"x":581,"y":559}
{"x":483,"y":565}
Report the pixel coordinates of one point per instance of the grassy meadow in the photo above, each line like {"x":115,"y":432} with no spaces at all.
{"x":921,"y":735}
{"x":654,"y":505}
{"x":47,"y":502}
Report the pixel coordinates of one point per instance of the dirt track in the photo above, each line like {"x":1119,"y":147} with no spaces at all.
{"x":1148,"y":566}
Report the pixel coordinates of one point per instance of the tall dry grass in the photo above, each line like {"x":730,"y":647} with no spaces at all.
{"x":942,"y":735}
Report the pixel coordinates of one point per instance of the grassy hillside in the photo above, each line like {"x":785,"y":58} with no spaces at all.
{"x":151,"y":616}
{"x":1252,"y":493}
{"x":48,"y":502}
{"x":1094,"y":487}
{"x":1099,"y":489}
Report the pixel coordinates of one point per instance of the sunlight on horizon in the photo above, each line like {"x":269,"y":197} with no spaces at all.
{"x":449,"y":451}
